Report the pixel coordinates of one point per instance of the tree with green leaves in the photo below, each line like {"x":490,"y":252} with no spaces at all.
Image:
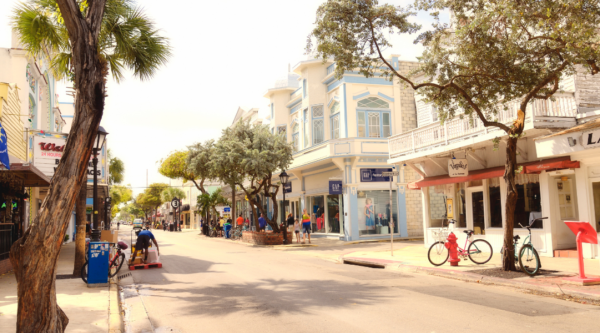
{"x":87,"y":41}
{"x":143,"y":203}
{"x":248,"y":156}
{"x":116,"y":169}
{"x":494,"y":55}
{"x":208,"y":201}
{"x":119,"y":194}
{"x":176,"y":166}
{"x":198,"y":162}
{"x":153,"y":195}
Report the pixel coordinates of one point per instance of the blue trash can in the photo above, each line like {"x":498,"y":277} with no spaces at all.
{"x":227,"y":228}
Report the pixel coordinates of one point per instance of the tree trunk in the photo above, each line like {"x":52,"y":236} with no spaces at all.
{"x":81,"y":220}
{"x":34,"y":255}
{"x":508,"y":263}
{"x":233,"y":216}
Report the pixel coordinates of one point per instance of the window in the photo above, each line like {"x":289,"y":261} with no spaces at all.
{"x":304,"y":89}
{"x":434,"y":114}
{"x":318,"y":124}
{"x":281,"y":129}
{"x":374,"y":212}
{"x":295,"y":137}
{"x":373,"y":102}
{"x":335,"y":120}
{"x":529,"y":201}
{"x":272,"y":112}
{"x":495,"y":203}
{"x":306,"y":129}
{"x":374,"y":124}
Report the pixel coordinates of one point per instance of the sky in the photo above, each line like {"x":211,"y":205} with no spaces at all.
{"x":226,"y":54}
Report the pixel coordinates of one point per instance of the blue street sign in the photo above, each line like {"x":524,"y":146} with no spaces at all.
{"x":288,"y":187}
{"x":227,"y":210}
{"x":4,"y":160}
{"x":374,"y":175}
{"x":335,"y":187}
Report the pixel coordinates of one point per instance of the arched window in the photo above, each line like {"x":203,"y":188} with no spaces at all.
{"x":374,"y":122}
{"x":373,"y":102}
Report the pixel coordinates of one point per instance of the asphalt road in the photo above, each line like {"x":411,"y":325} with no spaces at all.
{"x":209,"y":285}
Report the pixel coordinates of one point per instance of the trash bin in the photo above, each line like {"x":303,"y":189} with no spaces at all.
{"x":227,"y":228}
{"x":171,"y":227}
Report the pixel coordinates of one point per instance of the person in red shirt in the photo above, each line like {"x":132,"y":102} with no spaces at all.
{"x":240,"y":221}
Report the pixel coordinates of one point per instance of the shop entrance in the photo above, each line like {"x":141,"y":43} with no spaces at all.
{"x":565,"y":210}
{"x":475,"y":210}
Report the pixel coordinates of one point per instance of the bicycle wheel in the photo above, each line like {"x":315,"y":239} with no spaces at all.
{"x":529,"y":260}
{"x":438,"y":254}
{"x":117,"y":264}
{"x":84,"y":272}
{"x":480,"y":251}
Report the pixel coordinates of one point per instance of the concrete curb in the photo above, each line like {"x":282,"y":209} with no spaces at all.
{"x":403,"y":239}
{"x":115,"y":320}
{"x":275,"y":247}
{"x":475,"y":278}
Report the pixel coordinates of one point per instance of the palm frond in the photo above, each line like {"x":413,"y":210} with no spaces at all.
{"x":37,"y":29}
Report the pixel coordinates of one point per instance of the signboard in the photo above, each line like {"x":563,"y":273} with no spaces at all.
{"x":374,"y":175}
{"x":47,"y":152}
{"x":288,"y":187}
{"x":458,"y":167}
{"x":335,"y":187}
{"x":4,"y":160}
{"x":227,"y":209}
{"x":175,"y":203}
{"x":590,"y":139}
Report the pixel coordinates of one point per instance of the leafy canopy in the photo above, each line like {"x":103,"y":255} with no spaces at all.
{"x":171,"y":193}
{"x":116,"y":169}
{"x":175,"y":166}
{"x":199,"y":160}
{"x":128,"y":39}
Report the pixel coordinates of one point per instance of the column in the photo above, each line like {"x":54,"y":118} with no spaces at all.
{"x":402,"y":217}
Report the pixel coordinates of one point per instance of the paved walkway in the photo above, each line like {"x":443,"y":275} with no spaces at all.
{"x":87,"y":308}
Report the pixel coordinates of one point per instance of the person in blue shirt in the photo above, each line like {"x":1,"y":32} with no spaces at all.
{"x":262,"y":223}
{"x":142,"y":243}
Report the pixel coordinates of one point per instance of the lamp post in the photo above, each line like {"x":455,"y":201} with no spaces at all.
{"x":284,"y":178}
{"x":100,"y":137}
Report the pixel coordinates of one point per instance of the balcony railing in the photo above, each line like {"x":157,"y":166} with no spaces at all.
{"x":295,"y":94}
{"x":564,"y":106}
{"x":330,"y":69}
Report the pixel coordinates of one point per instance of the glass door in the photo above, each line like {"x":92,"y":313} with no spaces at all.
{"x":476,"y":210}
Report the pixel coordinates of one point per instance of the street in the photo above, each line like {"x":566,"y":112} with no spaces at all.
{"x":213,"y":285}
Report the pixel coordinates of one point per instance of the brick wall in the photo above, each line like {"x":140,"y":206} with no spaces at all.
{"x":414,"y":206}
{"x":5,"y":266}
{"x":264,"y":238}
{"x":407,"y":98}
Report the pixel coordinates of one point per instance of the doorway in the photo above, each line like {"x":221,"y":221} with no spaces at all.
{"x":565,"y":210}
{"x":476,"y":210}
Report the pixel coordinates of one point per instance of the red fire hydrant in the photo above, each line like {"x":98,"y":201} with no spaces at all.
{"x":452,"y":248}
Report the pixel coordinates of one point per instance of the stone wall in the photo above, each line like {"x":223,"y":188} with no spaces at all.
{"x":407,"y":98}
{"x":414,"y":205}
{"x":264,"y":238}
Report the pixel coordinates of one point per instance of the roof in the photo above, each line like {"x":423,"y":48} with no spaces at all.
{"x":587,"y":126}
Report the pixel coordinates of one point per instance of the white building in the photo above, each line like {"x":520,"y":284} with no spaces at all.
{"x":546,"y":185}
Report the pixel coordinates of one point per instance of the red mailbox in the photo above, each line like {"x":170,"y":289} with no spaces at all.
{"x":585,"y":234}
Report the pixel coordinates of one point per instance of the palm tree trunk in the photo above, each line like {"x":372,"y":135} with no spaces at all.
{"x":34,"y":255}
{"x":81,"y":220}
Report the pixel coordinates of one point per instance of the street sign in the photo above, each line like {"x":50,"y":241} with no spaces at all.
{"x":392,"y":173}
{"x":374,"y":175}
{"x":227,"y":209}
{"x":175,"y":203}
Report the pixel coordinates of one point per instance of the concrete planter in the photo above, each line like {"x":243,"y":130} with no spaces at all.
{"x":263,"y":238}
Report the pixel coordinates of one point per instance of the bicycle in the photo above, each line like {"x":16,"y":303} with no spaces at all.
{"x":479,"y":251}
{"x":527,"y":251}
{"x":237,"y":232}
{"x":116,"y":262}
{"x":212,"y":232}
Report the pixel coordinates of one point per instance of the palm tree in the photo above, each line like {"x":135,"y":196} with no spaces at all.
{"x":116,"y":169}
{"x":85,"y":42}
{"x":208,"y":202}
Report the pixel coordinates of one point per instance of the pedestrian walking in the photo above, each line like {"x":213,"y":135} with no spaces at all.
{"x":240,"y":222}
{"x":306,"y":225}
{"x":221,"y":224}
{"x":118,"y":224}
{"x":290,"y":220}
{"x":297,"y":230}
{"x":262,"y":223}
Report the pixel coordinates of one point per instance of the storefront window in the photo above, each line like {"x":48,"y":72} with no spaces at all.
{"x":528,"y":204}
{"x":374,"y":212}
{"x":437,"y":207}
{"x":495,"y":203}
{"x":317,"y":214}
{"x":334,"y":213}
{"x":460,"y":205}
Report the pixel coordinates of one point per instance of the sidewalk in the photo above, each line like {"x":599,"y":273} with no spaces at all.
{"x":87,"y":308}
{"x":414,"y":259}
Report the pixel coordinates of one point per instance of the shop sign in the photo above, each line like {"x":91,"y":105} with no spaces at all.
{"x":374,"y":175}
{"x":47,"y":152}
{"x":590,"y":139}
{"x":458,"y":167}
{"x":288,"y":187}
{"x":335,"y":187}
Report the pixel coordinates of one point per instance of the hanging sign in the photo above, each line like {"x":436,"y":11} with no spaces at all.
{"x":288,"y":187}
{"x":335,"y":187}
{"x":4,"y":160}
{"x":590,"y":139}
{"x":374,"y":175}
{"x":458,"y":167}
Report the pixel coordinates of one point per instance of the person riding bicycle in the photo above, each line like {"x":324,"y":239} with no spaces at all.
{"x":142,"y":243}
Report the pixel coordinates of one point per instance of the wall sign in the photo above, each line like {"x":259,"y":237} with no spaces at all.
{"x":335,"y":187}
{"x":374,"y":175}
{"x":458,"y":167}
{"x":590,"y":139}
{"x":288,"y":187}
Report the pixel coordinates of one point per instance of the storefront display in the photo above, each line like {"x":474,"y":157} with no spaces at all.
{"x":374,"y":212}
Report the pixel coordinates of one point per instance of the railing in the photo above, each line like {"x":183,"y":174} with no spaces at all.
{"x":564,"y":106}
{"x":295,"y":93}
{"x":330,"y":69}
{"x":5,"y":240}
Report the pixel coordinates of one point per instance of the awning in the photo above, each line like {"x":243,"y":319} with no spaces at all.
{"x":185,"y":208}
{"x":528,"y":168}
{"x":31,"y":176}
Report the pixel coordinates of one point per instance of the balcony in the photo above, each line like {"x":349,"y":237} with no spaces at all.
{"x":559,"y":113}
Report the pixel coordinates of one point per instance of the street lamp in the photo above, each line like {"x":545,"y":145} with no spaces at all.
{"x":284,"y":178}
{"x":100,"y":137}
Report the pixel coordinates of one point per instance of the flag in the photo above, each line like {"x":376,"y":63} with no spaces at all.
{"x":4,"y":160}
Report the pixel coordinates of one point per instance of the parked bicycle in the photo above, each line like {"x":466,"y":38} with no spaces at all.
{"x":116,"y":262}
{"x":237,"y":232}
{"x":212,"y":232}
{"x":527,"y":259}
{"x":479,"y":251}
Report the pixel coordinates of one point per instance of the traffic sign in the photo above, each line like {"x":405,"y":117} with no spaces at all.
{"x":175,"y":203}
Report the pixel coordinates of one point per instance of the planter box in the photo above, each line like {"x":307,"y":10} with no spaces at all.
{"x":263,"y":238}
